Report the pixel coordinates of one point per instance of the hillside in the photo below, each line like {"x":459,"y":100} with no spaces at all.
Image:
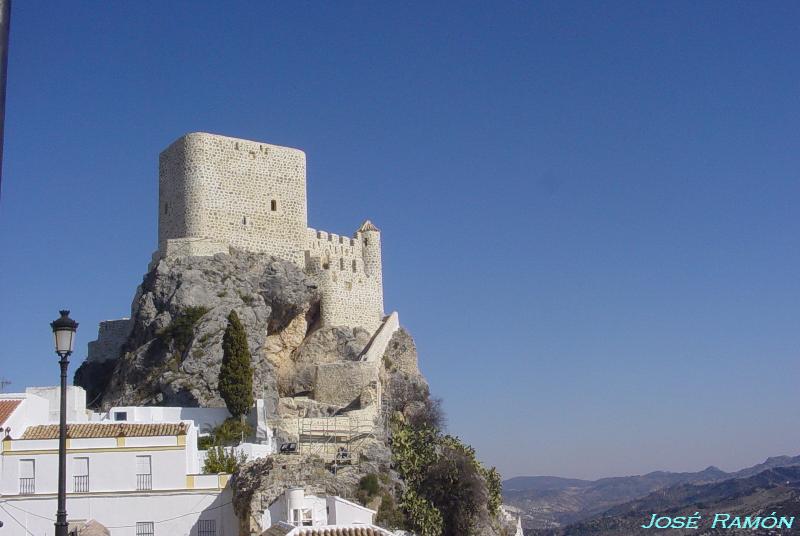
{"x":773,"y":490}
{"x":319,"y":389}
{"x":552,"y":502}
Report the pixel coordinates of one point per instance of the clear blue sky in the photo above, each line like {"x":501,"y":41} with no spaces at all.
{"x":589,"y":210}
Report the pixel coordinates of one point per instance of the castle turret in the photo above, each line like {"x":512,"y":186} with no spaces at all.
{"x":370,"y":237}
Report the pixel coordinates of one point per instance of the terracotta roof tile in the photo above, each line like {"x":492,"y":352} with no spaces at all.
{"x":94,"y":430}
{"x":339,"y":531}
{"x":7,"y":407}
{"x":282,"y":529}
{"x":277,"y":530}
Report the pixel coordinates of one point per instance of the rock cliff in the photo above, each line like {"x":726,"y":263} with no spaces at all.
{"x":173,"y":353}
{"x":304,"y":370}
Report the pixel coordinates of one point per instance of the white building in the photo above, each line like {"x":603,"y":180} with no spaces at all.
{"x":137,"y":471}
{"x":297,"y":513}
{"x":136,"y":478}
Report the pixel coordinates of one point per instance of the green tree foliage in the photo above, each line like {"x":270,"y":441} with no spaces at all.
{"x":222,"y":460}
{"x":494,"y":483}
{"x":413,"y":450}
{"x":447,"y":488}
{"x":389,"y":513}
{"x":455,"y":484}
{"x":368,"y":488}
{"x":181,"y":330}
{"x":425,"y":519}
{"x":231,"y":431}
{"x":236,"y":372}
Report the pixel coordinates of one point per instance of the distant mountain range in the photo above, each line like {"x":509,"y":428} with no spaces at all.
{"x":564,"y":504}
{"x":773,"y":490}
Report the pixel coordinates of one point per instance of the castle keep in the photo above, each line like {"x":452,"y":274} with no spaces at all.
{"x":216,"y":192}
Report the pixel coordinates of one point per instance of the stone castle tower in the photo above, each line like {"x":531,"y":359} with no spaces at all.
{"x":216,"y":192}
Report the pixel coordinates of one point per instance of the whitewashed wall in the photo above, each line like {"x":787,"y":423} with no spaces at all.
{"x":121,"y":512}
{"x":109,"y":470}
{"x":343,"y":512}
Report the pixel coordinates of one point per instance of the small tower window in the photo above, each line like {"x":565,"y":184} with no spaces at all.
{"x":273,"y":205}
{"x":354,"y":265}
{"x":166,"y":208}
{"x":341,"y":264}
{"x":244,"y":220}
{"x":366,"y":241}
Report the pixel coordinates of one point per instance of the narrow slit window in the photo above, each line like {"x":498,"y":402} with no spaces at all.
{"x":244,"y":220}
{"x":166,"y":208}
{"x":273,"y":205}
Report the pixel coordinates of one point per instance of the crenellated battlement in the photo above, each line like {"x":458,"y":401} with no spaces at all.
{"x":216,"y":191}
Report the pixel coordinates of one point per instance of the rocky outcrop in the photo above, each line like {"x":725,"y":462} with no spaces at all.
{"x":401,"y":354}
{"x":297,"y":371}
{"x":262,"y":481}
{"x":173,"y":353}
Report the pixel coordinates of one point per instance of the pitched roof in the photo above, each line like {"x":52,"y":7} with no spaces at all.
{"x":340,"y":531}
{"x":367,"y":226}
{"x":278,"y":530}
{"x":7,"y":407}
{"x":284,"y":529}
{"x":93,"y":430}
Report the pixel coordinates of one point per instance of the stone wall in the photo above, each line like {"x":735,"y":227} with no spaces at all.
{"x":347,"y":298}
{"x":342,"y":384}
{"x":111,"y":336}
{"x":216,"y":191}
{"x":380,"y":341}
{"x":246,"y":194}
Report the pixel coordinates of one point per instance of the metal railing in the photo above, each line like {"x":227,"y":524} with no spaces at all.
{"x":144,"y":482}
{"x":27,"y":486}
{"x":145,"y":528}
{"x":207,"y":527}
{"x":80,"y":483}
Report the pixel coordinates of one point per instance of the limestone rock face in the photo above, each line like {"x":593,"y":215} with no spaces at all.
{"x":173,"y":353}
{"x":260,"y":482}
{"x":179,"y":314}
{"x":344,"y":384}
{"x":401,"y":354}
{"x":297,"y":372}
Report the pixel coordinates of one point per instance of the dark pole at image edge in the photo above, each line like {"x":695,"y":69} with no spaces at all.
{"x":5,"y":22}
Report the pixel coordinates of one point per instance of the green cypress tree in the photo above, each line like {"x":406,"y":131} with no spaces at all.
{"x":236,"y":372}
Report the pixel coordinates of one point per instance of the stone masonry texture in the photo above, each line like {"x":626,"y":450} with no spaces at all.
{"x":217,"y":192}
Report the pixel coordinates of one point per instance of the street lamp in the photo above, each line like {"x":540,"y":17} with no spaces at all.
{"x":64,"y":334}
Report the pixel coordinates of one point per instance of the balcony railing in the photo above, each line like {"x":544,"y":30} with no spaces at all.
{"x":144,"y":482}
{"x":80,"y":483}
{"x":27,"y":486}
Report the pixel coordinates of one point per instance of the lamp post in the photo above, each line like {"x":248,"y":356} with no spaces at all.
{"x":64,"y":334}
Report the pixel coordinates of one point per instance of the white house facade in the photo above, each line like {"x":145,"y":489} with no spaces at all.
{"x":137,"y":471}
{"x":136,"y":478}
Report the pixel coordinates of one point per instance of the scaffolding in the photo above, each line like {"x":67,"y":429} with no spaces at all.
{"x":334,"y":439}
